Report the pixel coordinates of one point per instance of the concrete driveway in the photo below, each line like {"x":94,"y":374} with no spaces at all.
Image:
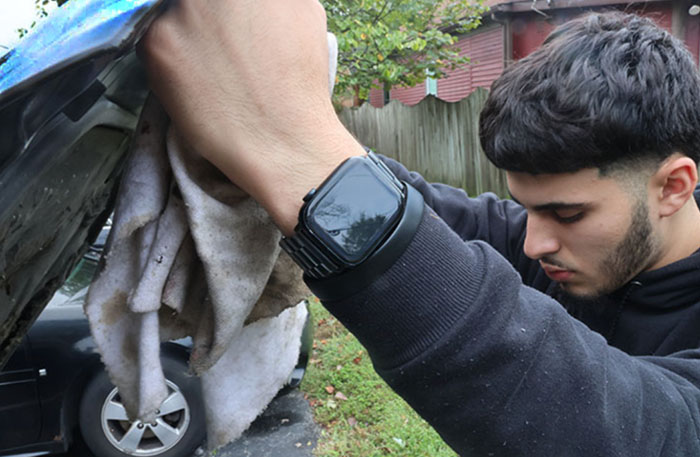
{"x":285,"y":429}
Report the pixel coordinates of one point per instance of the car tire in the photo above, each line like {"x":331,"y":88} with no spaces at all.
{"x":107,"y":432}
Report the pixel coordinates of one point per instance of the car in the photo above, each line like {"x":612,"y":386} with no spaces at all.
{"x":54,"y":391}
{"x":71,"y":93}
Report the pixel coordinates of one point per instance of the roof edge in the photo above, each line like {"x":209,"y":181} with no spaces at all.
{"x":517,"y":6}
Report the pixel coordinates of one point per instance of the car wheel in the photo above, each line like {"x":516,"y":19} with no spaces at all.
{"x":179,"y":428}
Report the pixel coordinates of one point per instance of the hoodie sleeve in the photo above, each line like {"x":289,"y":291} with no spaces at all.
{"x":499,"y":369}
{"x":500,"y":223}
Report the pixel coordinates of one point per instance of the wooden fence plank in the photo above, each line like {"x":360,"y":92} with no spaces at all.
{"x":439,"y":140}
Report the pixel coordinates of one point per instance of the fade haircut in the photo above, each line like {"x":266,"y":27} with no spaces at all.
{"x":603,"y":91}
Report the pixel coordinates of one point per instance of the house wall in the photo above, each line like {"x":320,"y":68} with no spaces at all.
{"x":485,"y":48}
{"x":692,"y":36}
{"x":409,"y":95}
{"x":661,"y":13}
{"x":530,"y":29}
{"x":376,"y":98}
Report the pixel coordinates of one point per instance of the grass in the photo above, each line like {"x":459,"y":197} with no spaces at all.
{"x":359,"y":414}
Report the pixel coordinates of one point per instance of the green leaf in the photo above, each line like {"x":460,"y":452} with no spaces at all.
{"x":385,"y":43}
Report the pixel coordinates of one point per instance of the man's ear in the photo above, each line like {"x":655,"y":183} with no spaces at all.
{"x":675,"y":182}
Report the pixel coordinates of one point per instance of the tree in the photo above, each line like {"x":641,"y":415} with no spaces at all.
{"x":387,"y":43}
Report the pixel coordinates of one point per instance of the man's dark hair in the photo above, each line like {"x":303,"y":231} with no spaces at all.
{"x":604,"y":89}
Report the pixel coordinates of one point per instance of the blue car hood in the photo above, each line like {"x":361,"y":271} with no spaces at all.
{"x":79,"y":29}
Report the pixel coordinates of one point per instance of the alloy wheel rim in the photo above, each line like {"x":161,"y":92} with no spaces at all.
{"x":141,"y":438}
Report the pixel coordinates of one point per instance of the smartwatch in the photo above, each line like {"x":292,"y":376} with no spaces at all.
{"x":351,"y":217}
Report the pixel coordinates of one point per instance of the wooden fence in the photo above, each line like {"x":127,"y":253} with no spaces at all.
{"x":437,"y":139}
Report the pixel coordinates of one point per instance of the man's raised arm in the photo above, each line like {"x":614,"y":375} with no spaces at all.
{"x":496,"y":367}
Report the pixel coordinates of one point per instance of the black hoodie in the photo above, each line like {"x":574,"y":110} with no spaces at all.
{"x":657,"y":313}
{"x":462,"y":327}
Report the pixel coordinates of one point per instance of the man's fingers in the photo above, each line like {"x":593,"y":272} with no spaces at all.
{"x":246,"y":83}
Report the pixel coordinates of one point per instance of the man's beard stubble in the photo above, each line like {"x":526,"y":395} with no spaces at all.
{"x":632,"y":255}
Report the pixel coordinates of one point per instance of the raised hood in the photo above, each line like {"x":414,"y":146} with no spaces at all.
{"x":70,"y":96}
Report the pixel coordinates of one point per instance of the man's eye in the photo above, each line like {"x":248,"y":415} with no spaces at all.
{"x":568,"y":217}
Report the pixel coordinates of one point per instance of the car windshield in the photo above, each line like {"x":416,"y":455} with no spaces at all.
{"x":74,"y":290}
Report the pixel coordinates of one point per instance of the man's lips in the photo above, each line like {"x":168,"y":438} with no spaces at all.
{"x":557,"y":274}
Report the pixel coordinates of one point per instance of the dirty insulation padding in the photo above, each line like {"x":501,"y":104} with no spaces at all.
{"x":190,"y":254}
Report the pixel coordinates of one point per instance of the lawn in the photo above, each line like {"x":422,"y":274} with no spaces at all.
{"x":359,"y":414}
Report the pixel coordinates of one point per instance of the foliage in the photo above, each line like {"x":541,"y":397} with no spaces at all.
{"x":360,"y":415}
{"x":386,"y":43}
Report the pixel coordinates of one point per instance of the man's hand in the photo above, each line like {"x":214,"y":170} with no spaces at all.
{"x":246,"y":83}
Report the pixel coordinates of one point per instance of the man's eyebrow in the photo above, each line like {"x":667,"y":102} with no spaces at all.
{"x":553,"y":206}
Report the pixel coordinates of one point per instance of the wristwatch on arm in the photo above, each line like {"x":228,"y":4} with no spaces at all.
{"x":353,"y":227}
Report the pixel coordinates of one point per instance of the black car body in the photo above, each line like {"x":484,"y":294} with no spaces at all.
{"x":42,"y":385}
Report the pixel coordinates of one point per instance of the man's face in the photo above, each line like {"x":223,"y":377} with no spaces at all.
{"x":589,"y":234}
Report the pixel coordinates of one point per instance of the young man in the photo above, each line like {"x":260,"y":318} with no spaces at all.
{"x":599,"y":132}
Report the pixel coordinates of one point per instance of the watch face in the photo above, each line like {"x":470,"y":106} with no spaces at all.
{"x":354,"y":211}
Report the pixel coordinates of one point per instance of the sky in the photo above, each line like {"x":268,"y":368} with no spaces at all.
{"x":14,"y":14}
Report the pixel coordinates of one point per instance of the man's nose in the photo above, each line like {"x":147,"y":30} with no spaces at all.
{"x":540,"y":239}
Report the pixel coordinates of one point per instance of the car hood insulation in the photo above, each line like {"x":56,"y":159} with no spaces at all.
{"x":189,"y":254}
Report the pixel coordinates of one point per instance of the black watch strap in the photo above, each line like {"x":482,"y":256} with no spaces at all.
{"x":315,"y":263}
{"x":352,"y":281}
{"x":316,"y":245}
